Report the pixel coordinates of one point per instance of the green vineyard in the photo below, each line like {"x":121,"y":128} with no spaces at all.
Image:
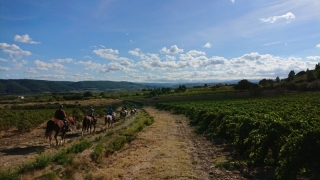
{"x":281,"y":131}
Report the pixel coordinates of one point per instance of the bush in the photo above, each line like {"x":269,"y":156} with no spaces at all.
{"x":9,"y":175}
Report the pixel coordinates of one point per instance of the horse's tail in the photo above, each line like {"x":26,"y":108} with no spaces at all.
{"x":49,"y":128}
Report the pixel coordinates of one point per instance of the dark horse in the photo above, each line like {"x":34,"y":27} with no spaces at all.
{"x":133,"y":111}
{"x":123,"y":114}
{"x":87,"y":122}
{"x":108,"y":119}
{"x":58,"y":126}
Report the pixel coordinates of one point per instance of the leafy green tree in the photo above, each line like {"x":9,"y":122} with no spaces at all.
{"x":310,"y":76}
{"x":277,"y":79}
{"x":181,"y":88}
{"x":244,"y":85}
{"x":263,"y":82}
{"x":291,"y":75}
{"x":301,"y":73}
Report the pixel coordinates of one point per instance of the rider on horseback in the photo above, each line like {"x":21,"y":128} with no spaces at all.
{"x":110,"y":112}
{"x":61,"y":115}
{"x":90,"y":112}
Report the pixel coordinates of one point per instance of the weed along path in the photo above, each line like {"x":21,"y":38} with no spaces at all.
{"x":168,"y":149}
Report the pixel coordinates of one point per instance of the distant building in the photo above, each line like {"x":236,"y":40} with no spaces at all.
{"x":21,"y":97}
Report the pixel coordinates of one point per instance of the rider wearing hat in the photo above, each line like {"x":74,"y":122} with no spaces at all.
{"x":61,"y":115}
{"x":91,"y":112}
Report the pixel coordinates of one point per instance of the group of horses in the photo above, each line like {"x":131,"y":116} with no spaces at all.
{"x":87,"y":123}
{"x":124,"y":113}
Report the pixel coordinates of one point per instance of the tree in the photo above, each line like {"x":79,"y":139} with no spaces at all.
{"x":310,"y":76}
{"x":317,"y":67}
{"x":301,"y":73}
{"x":87,"y":94}
{"x":291,"y":75}
{"x":263,"y":82}
{"x":277,"y":79}
{"x":244,"y":84}
{"x":318,"y":74}
{"x":182,"y":88}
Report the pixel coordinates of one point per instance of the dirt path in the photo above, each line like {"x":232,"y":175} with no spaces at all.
{"x":168,"y":149}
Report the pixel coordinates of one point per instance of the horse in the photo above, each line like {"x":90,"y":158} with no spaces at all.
{"x":123,"y":113}
{"x":58,"y":126}
{"x":133,"y":111}
{"x":109,"y":120}
{"x":87,"y":122}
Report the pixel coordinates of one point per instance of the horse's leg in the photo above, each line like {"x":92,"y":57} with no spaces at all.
{"x":50,"y":137}
{"x":56,"y":135}
{"x":63,"y":137}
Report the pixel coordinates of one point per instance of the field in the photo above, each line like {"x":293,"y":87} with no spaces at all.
{"x":245,"y":138}
{"x":281,"y":131}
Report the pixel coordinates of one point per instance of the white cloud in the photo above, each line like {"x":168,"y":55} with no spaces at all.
{"x":272,"y":43}
{"x":30,"y":70}
{"x":318,"y":46}
{"x":47,"y":77}
{"x":232,"y":1}
{"x":25,"y":39}
{"x":207,"y":45}
{"x":24,"y":62}
{"x":192,"y":59}
{"x":87,"y":57}
{"x":174,"y":49}
{"x":314,"y":58}
{"x":110,"y":54}
{"x":18,"y":65}
{"x":113,"y":67}
{"x":135,"y":52}
{"x":14,"y":51}
{"x":12,"y":75}
{"x":68,"y":60}
{"x":40,"y":65}
{"x":170,"y":58}
{"x":4,"y":68}
{"x":90,"y":65}
{"x":3,"y":60}
{"x":289,"y":16}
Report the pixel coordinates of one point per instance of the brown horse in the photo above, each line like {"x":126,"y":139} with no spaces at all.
{"x":58,"y":126}
{"x":87,"y":123}
{"x":108,"y":119}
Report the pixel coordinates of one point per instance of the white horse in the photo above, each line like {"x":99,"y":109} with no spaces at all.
{"x":109,"y":120}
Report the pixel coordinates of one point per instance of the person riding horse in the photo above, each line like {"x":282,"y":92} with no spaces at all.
{"x":61,"y":115}
{"x":91,"y":113}
{"x":110,"y":112}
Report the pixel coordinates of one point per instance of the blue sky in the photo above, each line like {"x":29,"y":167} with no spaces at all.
{"x":157,"y":41}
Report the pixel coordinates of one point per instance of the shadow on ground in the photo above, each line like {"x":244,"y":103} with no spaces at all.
{"x":23,"y":150}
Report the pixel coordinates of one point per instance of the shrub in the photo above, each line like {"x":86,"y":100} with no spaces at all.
{"x":9,"y":175}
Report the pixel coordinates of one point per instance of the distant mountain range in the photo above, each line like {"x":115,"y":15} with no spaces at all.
{"x":30,"y":86}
